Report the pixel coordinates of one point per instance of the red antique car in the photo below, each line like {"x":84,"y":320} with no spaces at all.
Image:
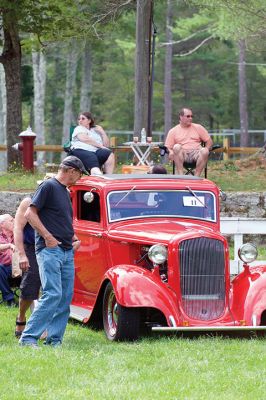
{"x":152,"y":255}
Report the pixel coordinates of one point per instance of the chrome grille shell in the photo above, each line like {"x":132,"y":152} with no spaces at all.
{"x":202,"y":278}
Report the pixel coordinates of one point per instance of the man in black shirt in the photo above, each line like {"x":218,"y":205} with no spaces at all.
{"x":50,"y":214}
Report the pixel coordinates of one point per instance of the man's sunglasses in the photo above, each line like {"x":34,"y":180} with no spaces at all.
{"x":188,"y":116}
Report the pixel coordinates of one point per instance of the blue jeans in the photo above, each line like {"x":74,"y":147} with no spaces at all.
{"x":5,"y":274}
{"x":56,"y":267}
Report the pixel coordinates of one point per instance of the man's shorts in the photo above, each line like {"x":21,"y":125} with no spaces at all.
{"x":30,"y":282}
{"x":92,"y":159}
{"x":191,"y":156}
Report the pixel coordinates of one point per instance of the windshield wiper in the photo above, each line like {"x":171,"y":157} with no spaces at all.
{"x":194,"y":194}
{"x":130,"y":191}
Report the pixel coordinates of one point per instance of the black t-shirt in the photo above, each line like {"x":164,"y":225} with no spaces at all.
{"x":52,"y":199}
{"x":28,"y":234}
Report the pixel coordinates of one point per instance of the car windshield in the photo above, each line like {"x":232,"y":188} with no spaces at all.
{"x":128,"y":204}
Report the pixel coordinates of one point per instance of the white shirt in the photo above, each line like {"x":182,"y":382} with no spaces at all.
{"x":92,"y":133}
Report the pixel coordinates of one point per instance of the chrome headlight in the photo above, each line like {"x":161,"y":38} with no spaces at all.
{"x":248,"y":252}
{"x":157,"y":253}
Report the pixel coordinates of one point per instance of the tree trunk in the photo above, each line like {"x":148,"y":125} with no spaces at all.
{"x":168,"y":71}
{"x":2,"y":117}
{"x":142,"y":65}
{"x":39,"y":76}
{"x":56,"y":119}
{"x":71,"y":68}
{"x":11,"y":60}
{"x":86,"y":79}
{"x":243,"y":113}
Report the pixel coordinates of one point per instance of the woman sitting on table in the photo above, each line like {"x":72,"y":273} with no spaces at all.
{"x":90,"y":144}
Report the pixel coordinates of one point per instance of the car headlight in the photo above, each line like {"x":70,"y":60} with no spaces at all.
{"x":248,"y":252}
{"x":157,"y":253}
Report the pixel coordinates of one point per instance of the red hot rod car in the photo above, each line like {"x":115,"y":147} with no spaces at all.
{"x":152,"y":254}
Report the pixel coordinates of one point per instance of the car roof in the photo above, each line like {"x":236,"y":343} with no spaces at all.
{"x":127,"y":181}
{"x":146,"y":176}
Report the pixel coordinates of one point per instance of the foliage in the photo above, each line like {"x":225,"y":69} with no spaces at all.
{"x":114,"y":71}
{"x":206,"y":80}
{"x":35,"y":24}
{"x":237,"y":19}
{"x":156,"y":367}
{"x":51,"y":21}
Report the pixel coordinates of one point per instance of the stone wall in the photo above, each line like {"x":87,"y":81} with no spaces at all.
{"x":242,"y":204}
{"x":9,"y":201}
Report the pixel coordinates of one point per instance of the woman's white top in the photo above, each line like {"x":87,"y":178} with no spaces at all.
{"x":92,"y":133}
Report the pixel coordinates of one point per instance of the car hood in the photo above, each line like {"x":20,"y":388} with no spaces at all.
{"x":163,"y":231}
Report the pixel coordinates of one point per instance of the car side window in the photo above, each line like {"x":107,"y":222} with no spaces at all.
{"x":89,"y":211}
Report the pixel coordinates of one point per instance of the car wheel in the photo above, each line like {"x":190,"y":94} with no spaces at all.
{"x":120,"y":323}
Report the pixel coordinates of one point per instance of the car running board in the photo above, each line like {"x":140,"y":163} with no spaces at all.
{"x":207,"y":328}
{"x":79,"y":313}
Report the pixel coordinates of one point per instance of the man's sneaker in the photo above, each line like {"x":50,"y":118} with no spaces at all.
{"x":57,"y":344}
{"x":29,"y":344}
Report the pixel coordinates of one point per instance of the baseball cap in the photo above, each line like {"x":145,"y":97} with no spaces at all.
{"x":74,"y":162}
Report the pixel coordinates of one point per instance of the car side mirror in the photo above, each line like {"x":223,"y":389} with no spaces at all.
{"x":223,"y":195}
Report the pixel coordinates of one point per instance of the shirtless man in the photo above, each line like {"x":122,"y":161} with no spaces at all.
{"x":184,"y":143}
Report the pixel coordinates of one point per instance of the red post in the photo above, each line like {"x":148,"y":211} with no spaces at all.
{"x":27,"y":138}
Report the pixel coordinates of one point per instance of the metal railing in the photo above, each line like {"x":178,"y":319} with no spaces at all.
{"x":238,"y":227}
{"x":224,"y":137}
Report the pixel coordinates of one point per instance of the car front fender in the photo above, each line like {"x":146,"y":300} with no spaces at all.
{"x":249,"y":294}
{"x":138,"y":287}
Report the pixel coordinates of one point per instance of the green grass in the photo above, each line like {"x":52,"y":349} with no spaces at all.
{"x":89,"y":367}
{"x":262,"y":253}
{"x":157,"y":367}
{"x":19,"y":181}
{"x":229,"y":176}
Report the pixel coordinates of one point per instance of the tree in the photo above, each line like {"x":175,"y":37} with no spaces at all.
{"x":244,"y":22}
{"x":243,"y":112}
{"x":28,"y":17}
{"x":86,"y":79}
{"x":236,"y":19}
{"x":142,"y":64}
{"x":71,"y":68}
{"x":11,"y":60}
{"x":168,"y":70}
{"x":49,"y":21}
{"x":2,"y":115}
{"x":39,"y":77}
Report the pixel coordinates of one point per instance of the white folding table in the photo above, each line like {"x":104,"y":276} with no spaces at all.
{"x":142,"y":151}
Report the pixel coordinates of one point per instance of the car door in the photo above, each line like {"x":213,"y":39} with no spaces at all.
{"x":90,"y":259}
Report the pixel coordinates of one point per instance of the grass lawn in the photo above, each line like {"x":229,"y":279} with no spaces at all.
{"x":89,"y":367}
{"x":239,"y":175}
{"x":156,"y":367}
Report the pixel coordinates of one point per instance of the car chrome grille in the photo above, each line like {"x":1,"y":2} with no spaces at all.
{"x":202,"y":278}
